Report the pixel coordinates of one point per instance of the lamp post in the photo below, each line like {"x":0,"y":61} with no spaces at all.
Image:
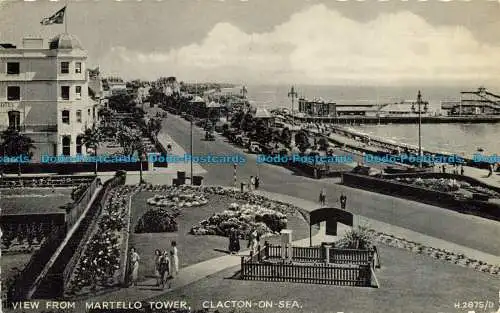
{"x":292,"y":94}
{"x":191,"y":127}
{"x":419,"y":102}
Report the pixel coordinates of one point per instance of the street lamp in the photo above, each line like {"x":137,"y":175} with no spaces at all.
{"x":419,"y":102}
{"x":292,"y":94}
{"x":191,"y":121}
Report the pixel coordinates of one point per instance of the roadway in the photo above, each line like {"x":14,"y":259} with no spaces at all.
{"x":470,"y":231}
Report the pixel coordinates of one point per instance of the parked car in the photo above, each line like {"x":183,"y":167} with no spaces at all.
{"x":255,"y":147}
{"x":209,"y":136}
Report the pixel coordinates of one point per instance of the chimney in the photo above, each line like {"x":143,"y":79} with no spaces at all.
{"x":33,"y":43}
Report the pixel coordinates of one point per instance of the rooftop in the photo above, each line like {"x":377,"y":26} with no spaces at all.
{"x":65,"y":41}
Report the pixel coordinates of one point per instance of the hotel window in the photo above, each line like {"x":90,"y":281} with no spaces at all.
{"x":13,"y":93}
{"x":14,"y":120}
{"x":66,"y":145}
{"x":78,"y":92}
{"x":13,"y":68}
{"x":78,"y":67}
{"x":79,"y":141}
{"x":79,"y":116}
{"x":64,"y":67}
{"x":65,"y":117}
{"x":65,"y":92}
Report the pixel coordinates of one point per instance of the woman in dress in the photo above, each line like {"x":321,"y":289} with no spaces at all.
{"x":234,"y":241}
{"x":157,"y":267}
{"x":164,"y":268}
{"x":134,"y":266}
{"x":252,"y":241}
{"x":174,"y":259}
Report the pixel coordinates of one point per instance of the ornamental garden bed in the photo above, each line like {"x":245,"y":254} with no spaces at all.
{"x":461,"y":189}
{"x":194,"y":248}
{"x":98,"y":268}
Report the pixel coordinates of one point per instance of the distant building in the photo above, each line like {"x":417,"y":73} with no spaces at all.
{"x":44,"y":93}
{"x":116,"y":86}
{"x":316,"y":107}
{"x":142,"y":94}
{"x":480,"y":102}
{"x":404,"y":108}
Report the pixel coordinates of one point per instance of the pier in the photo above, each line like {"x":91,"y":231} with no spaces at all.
{"x":360,"y":119}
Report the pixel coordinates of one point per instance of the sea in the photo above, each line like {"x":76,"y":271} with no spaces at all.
{"x":464,"y":139}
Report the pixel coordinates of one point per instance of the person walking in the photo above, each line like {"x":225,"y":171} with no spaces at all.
{"x":257,"y":182}
{"x":134,"y":266}
{"x":234,"y":241}
{"x":174,"y":259}
{"x":252,"y":241}
{"x":322,"y":196}
{"x":157,"y":267}
{"x":164,"y":269}
{"x":490,"y":170}
{"x":462,"y":170}
{"x":343,"y":201}
{"x":251,"y":185}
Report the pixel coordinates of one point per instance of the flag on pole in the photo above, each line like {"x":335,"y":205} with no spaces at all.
{"x":57,"y":18}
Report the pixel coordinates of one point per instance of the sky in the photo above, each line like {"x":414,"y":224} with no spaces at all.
{"x":280,"y":41}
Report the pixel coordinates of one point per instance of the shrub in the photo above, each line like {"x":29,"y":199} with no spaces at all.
{"x":356,"y":238}
{"x":157,"y":221}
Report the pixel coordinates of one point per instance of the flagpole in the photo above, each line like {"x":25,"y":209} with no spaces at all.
{"x":66,"y":18}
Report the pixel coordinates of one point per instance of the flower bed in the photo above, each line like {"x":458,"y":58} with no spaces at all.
{"x":439,"y":254}
{"x":244,"y":218}
{"x":448,"y":185}
{"x":175,"y":198}
{"x":101,"y":258}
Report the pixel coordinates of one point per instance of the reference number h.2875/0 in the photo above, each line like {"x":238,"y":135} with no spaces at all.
{"x":475,"y":304}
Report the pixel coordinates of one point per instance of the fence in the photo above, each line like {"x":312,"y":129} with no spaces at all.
{"x":19,"y":290}
{"x":318,"y":254}
{"x":44,"y":181}
{"x":319,"y":265}
{"x":82,"y":203}
{"x":341,"y":275}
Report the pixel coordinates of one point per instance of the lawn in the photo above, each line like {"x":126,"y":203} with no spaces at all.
{"x":408,"y":283}
{"x":192,"y":249}
{"x":34,"y":200}
{"x":10,"y":262}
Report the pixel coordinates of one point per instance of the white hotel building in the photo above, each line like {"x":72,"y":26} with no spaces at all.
{"x":44,"y":93}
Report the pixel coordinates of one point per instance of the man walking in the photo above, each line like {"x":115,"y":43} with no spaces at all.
{"x":490,"y":170}
{"x":257,"y":182}
{"x":343,"y":201}
{"x":322,"y":197}
{"x":252,"y":183}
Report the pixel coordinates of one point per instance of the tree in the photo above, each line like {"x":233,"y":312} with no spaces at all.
{"x":15,"y":144}
{"x":137,"y":145}
{"x":154,"y":126}
{"x":122,"y":103}
{"x":105,"y":114}
{"x":302,"y":141}
{"x":91,"y":139}
{"x":286,"y":136}
{"x":237,"y":119}
{"x":323,"y":144}
{"x":248,"y":122}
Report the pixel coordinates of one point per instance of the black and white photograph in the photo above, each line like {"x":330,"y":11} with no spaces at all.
{"x":249,"y":156}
